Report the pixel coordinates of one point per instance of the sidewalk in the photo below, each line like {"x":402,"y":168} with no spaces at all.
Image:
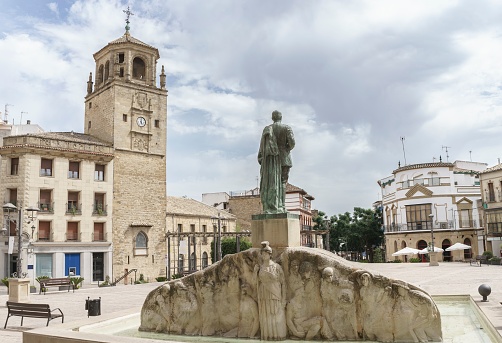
{"x":447,"y":279}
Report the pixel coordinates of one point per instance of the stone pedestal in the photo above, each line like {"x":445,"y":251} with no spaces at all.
{"x":19,"y":290}
{"x":281,"y":230}
{"x":433,"y":259}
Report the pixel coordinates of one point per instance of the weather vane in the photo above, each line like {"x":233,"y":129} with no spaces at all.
{"x":129,"y":13}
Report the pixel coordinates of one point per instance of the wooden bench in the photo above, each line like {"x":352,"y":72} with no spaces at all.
{"x":32,"y":310}
{"x":478,"y":260}
{"x":44,"y":283}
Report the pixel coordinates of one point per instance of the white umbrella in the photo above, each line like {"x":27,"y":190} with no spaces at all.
{"x":458,"y":246}
{"x":406,"y":251}
{"x":426,"y":250}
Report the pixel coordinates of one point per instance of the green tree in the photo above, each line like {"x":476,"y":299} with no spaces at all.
{"x":229,"y":246}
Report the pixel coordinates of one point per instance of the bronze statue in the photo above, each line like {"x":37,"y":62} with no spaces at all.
{"x":277,"y":141}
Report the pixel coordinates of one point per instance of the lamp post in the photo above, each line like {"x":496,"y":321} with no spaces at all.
{"x":432,"y":254}
{"x":217,"y":221}
{"x":6,"y":231}
{"x":11,"y":207}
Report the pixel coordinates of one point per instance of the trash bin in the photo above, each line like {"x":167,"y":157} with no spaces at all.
{"x":93,"y":307}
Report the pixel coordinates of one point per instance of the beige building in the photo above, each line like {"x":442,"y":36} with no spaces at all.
{"x":108,"y":183}
{"x":439,"y":200}
{"x":192,"y":229}
{"x":491,"y":195}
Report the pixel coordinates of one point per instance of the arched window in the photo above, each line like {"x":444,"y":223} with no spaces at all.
{"x":138,"y":68}
{"x":446,"y":254}
{"x":101,"y":74}
{"x":191,"y":265}
{"x":107,"y":70}
{"x":204,"y":260}
{"x":422,"y":245}
{"x":467,"y":252}
{"x":141,"y":244}
{"x":181,"y":264}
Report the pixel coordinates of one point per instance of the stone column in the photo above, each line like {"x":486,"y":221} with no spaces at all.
{"x":433,"y":259}
{"x":19,"y":290}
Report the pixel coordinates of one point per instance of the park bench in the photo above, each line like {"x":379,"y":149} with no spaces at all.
{"x":44,"y":283}
{"x":32,"y":310}
{"x":478,"y":260}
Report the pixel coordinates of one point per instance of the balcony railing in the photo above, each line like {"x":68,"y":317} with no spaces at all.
{"x":45,"y":236}
{"x":72,"y":236}
{"x":495,"y":229}
{"x":99,"y":209}
{"x":426,"y":226}
{"x":73,"y":208}
{"x":306,"y":228}
{"x":101,"y":237}
{"x":46,"y":207}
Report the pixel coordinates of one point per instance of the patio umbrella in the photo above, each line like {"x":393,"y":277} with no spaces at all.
{"x":406,"y":251}
{"x":458,"y":246}
{"x":426,"y":250}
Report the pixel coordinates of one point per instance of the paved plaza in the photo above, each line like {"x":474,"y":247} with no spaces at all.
{"x":448,"y":278}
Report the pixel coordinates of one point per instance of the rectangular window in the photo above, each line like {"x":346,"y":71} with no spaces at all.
{"x":44,"y":231}
{"x":72,"y":231}
{"x":192,"y":227}
{"x":89,"y":125}
{"x":124,"y":117}
{"x":418,"y":217}
{"x":14,"y":166}
{"x":74,"y":170}
{"x":73,"y":206}
{"x":121,"y":57}
{"x":180,"y":228}
{"x":45,"y":203}
{"x":157,"y":123}
{"x":204,"y":238}
{"x":491,"y":192}
{"x":46,"y":167}
{"x":99,"y":204}
{"x":99,"y":172}
{"x":99,"y":232}
{"x":44,"y":265}
{"x":12,"y":196}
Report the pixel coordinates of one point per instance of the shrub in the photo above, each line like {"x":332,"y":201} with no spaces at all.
{"x":488,"y":254}
{"x":5,"y":281}
{"x":76,"y":281}
{"x":415,"y":260}
{"x":161,"y":278}
{"x":378,"y":256}
{"x":176,"y":276}
{"x":397,"y":261}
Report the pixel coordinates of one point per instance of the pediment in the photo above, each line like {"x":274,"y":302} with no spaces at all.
{"x":464,"y":200}
{"x":418,"y":189}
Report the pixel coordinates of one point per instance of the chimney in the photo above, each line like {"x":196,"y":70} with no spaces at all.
{"x":28,"y":122}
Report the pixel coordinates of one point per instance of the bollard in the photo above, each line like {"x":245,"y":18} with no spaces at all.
{"x":93,"y":307}
{"x":485,"y":291}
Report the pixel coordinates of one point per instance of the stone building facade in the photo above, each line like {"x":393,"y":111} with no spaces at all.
{"x":439,"y":200}
{"x":491,"y":199}
{"x":128,"y":110}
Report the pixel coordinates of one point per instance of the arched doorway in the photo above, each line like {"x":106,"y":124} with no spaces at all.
{"x":421,"y":244}
{"x":403,"y":245}
{"x":467,"y":252}
{"x":446,"y":254}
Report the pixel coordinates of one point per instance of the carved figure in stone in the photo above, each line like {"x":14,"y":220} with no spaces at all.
{"x":185,"y":318}
{"x":271,"y":291}
{"x":294,"y":278}
{"x":277,"y":140}
{"x":249,"y":322}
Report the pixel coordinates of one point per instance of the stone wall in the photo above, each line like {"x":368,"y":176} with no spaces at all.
{"x":243,"y":207}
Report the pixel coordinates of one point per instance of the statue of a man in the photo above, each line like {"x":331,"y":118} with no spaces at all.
{"x":277,"y":141}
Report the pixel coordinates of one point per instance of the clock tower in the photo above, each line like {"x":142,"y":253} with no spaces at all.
{"x":125,"y":107}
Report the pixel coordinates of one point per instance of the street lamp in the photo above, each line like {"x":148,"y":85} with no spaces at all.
{"x":431,"y":216}
{"x":217,"y":221}
{"x":432,"y":254}
{"x":11,"y":207}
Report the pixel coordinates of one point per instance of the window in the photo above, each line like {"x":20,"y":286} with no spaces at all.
{"x":121,"y":57}
{"x":44,"y":265}
{"x":45,"y":203}
{"x":157,"y":123}
{"x":192,"y":227}
{"x":44,"y":231}
{"x":72,"y":231}
{"x":224,"y":227}
{"x":101,"y":74}
{"x":74,"y":170}
{"x":406,"y":184}
{"x":141,"y":244}
{"x":204,"y":238}
{"x":124,"y":117}
{"x":99,"y":172}
{"x":89,"y":125}
{"x":204,"y":260}
{"x":90,"y":106}
{"x":46,"y":167}
{"x":121,"y":72}
{"x":73,"y":206}
{"x":99,"y":232}
{"x":417,"y":217}
{"x":138,"y":68}
{"x":12,"y":195}
{"x":107,"y":70}
{"x":14,"y":166}
{"x":191,"y":264}
{"x":465,"y":218}
{"x":491,"y":192}
{"x":180,"y":228}
{"x":99,"y":204}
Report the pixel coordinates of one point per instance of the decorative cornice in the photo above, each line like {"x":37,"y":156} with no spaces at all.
{"x":418,"y":188}
{"x":424,"y":165}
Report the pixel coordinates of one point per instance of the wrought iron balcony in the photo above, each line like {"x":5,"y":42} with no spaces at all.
{"x":73,"y":208}
{"x":46,"y":207}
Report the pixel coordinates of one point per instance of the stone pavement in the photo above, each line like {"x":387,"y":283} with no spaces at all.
{"x":448,"y":278}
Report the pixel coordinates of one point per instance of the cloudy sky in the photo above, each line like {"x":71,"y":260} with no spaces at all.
{"x":350,"y":77}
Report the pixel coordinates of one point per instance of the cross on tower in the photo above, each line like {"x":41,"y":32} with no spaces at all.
{"x":129,"y":13}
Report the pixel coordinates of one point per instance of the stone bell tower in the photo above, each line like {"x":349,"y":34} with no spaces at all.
{"x":127,"y":108}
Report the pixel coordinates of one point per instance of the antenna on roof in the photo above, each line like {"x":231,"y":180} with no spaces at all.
{"x":445,"y":148}
{"x":470,"y":155}
{"x":404,"y":152}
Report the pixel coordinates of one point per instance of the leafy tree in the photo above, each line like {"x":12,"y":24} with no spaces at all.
{"x":229,"y":246}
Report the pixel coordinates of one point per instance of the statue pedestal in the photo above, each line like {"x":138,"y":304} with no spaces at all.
{"x":433,"y":259}
{"x":19,"y":290}
{"x":281,"y":230}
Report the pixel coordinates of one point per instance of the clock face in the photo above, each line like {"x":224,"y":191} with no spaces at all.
{"x":141,"y":121}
